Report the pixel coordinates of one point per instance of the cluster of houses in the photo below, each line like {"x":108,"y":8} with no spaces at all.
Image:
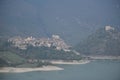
{"x":55,"y":40}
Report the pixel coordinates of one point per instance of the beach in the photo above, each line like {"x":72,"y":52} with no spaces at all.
{"x":70,"y":62}
{"x":22,"y":70}
{"x":44,"y":68}
{"x":104,"y":57}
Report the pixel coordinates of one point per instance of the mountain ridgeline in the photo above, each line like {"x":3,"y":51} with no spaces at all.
{"x":104,"y":42}
{"x":73,"y":20}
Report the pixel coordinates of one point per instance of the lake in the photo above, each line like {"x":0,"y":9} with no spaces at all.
{"x":95,"y":70}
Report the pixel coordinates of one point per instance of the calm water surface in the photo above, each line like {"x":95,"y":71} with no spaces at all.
{"x":96,"y":70}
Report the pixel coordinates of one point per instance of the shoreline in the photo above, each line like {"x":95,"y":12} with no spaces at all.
{"x":70,"y":62}
{"x":104,"y":57}
{"x":22,"y":70}
{"x":44,"y":68}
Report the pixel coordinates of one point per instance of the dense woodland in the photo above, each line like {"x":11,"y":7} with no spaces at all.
{"x":101,"y":42}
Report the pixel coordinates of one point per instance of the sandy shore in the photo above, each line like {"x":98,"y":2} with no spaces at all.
{"x":70,"y":62}
{"x":21,"y":70}
{"x":44,"y":68}
{"x":104,"y":57}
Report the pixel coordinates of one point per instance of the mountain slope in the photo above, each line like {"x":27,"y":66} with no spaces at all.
{"x":14,"y":56}
{"x":105,"y":41}
{"x":72,"y":20}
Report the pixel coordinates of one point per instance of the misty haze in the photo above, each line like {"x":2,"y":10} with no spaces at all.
{"x":59,"y":40}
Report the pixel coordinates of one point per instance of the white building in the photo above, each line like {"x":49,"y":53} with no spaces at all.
{"x":107,"y":28}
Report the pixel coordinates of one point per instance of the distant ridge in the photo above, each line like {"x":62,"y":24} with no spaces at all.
{"x":105,"y":41}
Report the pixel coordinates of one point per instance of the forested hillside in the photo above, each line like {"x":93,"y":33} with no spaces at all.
{"x":105,"y":41}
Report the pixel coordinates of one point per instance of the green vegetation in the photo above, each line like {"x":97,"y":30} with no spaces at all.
{"x":40,"y":64}
{"x":3,"y":63}
{"x":101,"y":42}
{"x":25,"y":65}
{"x":49,"y":53}
{"x":11,"y":56}
{"x":7,"y":56}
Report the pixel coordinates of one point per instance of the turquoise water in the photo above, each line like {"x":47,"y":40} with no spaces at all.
{"x":96,"y":70}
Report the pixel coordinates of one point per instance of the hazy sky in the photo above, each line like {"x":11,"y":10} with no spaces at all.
{"x":100,"y":10}
{"x":64,"y":17}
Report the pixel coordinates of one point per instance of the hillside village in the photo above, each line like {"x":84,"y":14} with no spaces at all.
{"x":54,"y":41}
